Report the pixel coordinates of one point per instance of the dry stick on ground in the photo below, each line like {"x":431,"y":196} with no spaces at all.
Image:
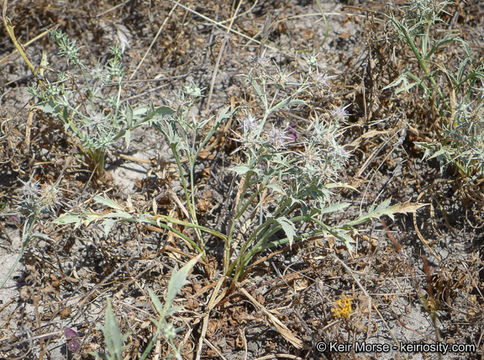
{"x":214,"y":348}
{"x":153,"y":42}
{"x":214,"y":300}
{"x":280,"y":327}
{"x":223,"y":26}
{"x":217,"y":64}
{"x":113,"y":8}
{"x":11,"y":34}
{"x":41,"y":35}
{"x":417,"y":231}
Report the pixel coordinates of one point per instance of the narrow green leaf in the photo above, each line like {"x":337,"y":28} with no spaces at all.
{"x":112,"y":334}
{"x":334,"y":208}
{"x":157,"y":303}
{"x":177,"y":281}
{"x":127,"y":138}
{"x":107,"y":202}
{"x":129,"y":116}
{"x":288,"y":228}
{"x":68,"y":219}
{"x":257,"y":89}
{"x":340,"y":185}
{"x":287,"y":102}
{"x":139,"y":111}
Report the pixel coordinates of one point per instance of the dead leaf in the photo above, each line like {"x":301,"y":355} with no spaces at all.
{"x":408,"y":207}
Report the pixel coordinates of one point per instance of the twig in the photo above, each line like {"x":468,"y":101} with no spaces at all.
{"x":217,"y":64}
{"x":211,"y":304}
{"x":223,"y":26}
{"x":153,"y":42}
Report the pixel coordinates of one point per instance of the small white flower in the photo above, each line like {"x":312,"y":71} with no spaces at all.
{"x":340,"y":114}
{"x":312,"y":61}
{"x":322,"y":80}
{"x":30,"y":189}
{"x":249,"y":125}
{"x":277,"y":138}
{"x":193,"y":90}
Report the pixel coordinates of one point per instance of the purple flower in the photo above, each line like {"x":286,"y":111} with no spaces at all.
{"x":72,"y":340}
{"x":291,"y":133}
{"x":14,"y":218}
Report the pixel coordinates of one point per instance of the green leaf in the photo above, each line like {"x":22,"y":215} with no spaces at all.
{"x":288,"y":228}
{"x":340,"y":185}
{"x":258,"y":90}
{"x":275,"y":187}
{"x":113,"y":337}
{"x":90,"y":217}
{"x":241,"y":169}
{"x":287,"y":102}
{"x":385,"y":209}
{"x":108,"y":202}
{"x":160,"y":112}
{"x":347,"y":240}
{"x":438,"y":153}
{"x":225,"y":113}
{"x":68,"y":219}
{"x":334,"y":208}
{"x":47,"y":107}
{"x":127,"y":137}
{"x":129,"y":116}
{"x":177,"y":281}
{"x":108,"y":225}
{"x":401,"y":83}
{"x":139,"y":111}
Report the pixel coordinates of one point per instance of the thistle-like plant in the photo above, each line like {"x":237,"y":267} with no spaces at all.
{"x":285,"y":182}
{"x":89,"y":102}
{"x":34,"y":203}
{"x":287,"y":179}
{"x":460,"y":102}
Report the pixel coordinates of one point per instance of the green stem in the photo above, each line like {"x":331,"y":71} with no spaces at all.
{"x":422,"y":63}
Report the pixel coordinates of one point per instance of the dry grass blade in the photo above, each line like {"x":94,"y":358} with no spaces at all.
{"x":215,"y":298}
{"x":281,"y":328}
{"x":153,"y":42}
{"x":219,"y":57}
{"x":9,"y":29}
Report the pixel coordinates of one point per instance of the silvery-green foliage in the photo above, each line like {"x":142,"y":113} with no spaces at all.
{"x":113,"y":337}
{"x":164,"y":328}
{"x":35,"y":201}
{"x":461,"y":140}
{"x":286,"y":179}
{"x":89,"y":102}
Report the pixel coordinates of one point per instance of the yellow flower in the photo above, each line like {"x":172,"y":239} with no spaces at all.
{"x":343,"y":307}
